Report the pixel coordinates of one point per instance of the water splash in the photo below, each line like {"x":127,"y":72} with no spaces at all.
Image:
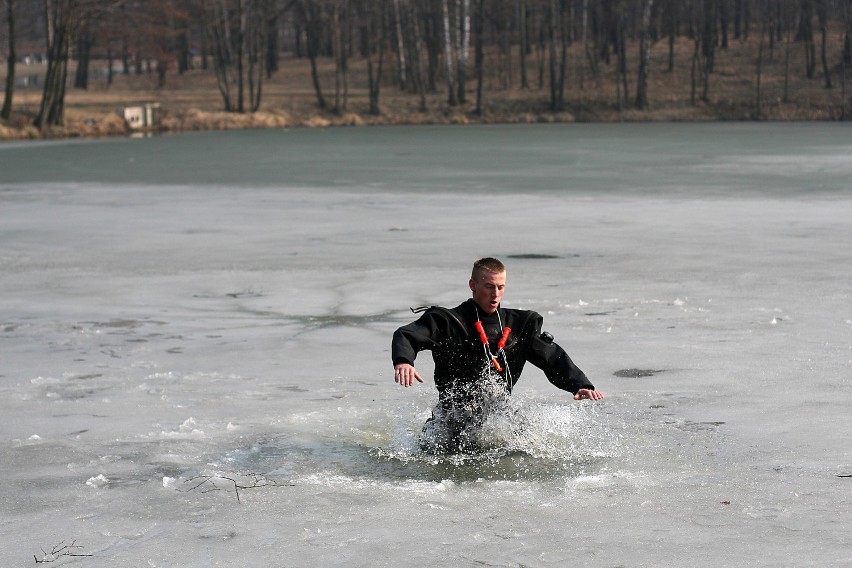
{"x":509,"y":437}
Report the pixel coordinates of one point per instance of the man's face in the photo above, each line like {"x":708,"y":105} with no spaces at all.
{"x":487,"y":290}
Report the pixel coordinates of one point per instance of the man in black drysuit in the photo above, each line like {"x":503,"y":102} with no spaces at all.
{"x":480,"y":349}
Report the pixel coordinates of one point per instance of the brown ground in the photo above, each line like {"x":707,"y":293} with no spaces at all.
{"x":192,"y":101}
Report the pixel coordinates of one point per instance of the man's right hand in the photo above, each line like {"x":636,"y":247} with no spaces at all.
{"x":406,"y":374}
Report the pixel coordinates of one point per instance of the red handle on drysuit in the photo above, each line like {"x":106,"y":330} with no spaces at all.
{"x":482,"y":337}
{"x":506,"y":332}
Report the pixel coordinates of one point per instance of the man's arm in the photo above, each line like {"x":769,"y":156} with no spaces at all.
{"x":407,"y":342}
{"x":560,"y":370}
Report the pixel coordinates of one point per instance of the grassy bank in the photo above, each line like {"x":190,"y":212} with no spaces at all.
{"x":192,"y":102}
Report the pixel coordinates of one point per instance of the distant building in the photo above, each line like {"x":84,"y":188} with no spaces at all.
{"x":143,"y":117}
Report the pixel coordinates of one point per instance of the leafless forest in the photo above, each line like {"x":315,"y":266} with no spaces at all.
{"x":456,"y":54}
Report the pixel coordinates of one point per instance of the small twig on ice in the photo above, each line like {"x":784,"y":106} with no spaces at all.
{"x":254,"y":480}
{"x":59,"y":551}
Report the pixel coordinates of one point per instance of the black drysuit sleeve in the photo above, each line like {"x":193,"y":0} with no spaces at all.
{"x":419,"y":335}
{"x":553,"y":360}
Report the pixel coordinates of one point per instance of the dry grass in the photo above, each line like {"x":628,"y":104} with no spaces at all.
{"x":192,"y":101}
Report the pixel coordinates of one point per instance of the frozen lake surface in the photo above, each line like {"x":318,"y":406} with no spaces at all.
{"x":201,"y":312}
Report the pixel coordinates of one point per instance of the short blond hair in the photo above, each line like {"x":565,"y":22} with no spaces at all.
{"x":486,"y":264}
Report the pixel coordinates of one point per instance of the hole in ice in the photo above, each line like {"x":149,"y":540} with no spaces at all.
{"x":535,"y":256}
{"x":636,"y":373}
{"x":248,"y":293}
{"x":690,"y":426}
{"x":515,"y":439}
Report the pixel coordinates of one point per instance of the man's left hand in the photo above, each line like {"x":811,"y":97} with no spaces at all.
{"x":588,"y":394}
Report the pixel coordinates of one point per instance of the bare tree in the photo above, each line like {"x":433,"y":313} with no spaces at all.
{"x":340,"y":17}
{"x":558,"y":55}
{"x":621,"y":84}
{"x":60,"y":22}
{"x":64,"y":20}
{"x":478,"y":52}
{"x":10,"y":62}
{"x":523,"y":20}
{"x":311,"y":15}
{"x":448,"y":52}
{"x":463,"y":45}
{"x":420,"y":73}
{"x":400,"y":44}
{"x":237,"y":31}
{"x":805,"y":34}
{"x":374,"y":25}
{"x":822,"y":18}
{"x":644,"y":57}
{"x":847,"y":36}
{"x":85,"y":42}
{"x":758,"y":96}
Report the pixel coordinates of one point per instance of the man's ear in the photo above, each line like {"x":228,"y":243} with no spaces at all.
{"x":471,"y":283}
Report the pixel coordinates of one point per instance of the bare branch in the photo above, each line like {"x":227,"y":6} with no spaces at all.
{"x":58,"y":551}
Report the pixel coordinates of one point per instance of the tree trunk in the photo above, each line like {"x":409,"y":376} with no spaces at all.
{"x":708,"y":35}
{"x":724,"y":22}
{"x":786,"y":96}
{"x":184,"y":62}
{"x":205,"y":50}
{"x":311,"y":15}
{"x":448,"y":53}
{"x":84,"y":51}
{"x":110,"y":63}
{"x":696,"y":64}
{"x":478,"y":53}
{"x":125,"y":56}
{"x":374,"y":71}
{"x":433,"y":40}
{"x":400,"y":45}
{"x":672,"y":34}
{"x":822,"y":16}
{"x":335,"y":34}
{"x":557,"y":56}
{"x":52,"y":109}
{"x":10,"y":62}
{"x":581,"y":70}
{"x":257,"y":43}
{"x":270,"y":55}
{"x":847,"y":36}
{"x":241,"y":43}
{"x":739,"y":6}
{"x":805,"y":34}
{"x":463,"y":21}
{"x":523,"y":18}
{"x":420,"y":78}
{"x":502,"y":33}
{"x":540,"y":51}
{"x":757,"y":94}
{"x":346,"y":47}
{"x":340,"y":48}
{"x":644,"y":58}
{"x":622,"y":87}
{"x":217,"y":27}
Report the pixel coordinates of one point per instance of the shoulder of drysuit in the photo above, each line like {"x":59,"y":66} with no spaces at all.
{"x":521,"y":318}
{"x":466,"y":312}
{"x":438,"y":317}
